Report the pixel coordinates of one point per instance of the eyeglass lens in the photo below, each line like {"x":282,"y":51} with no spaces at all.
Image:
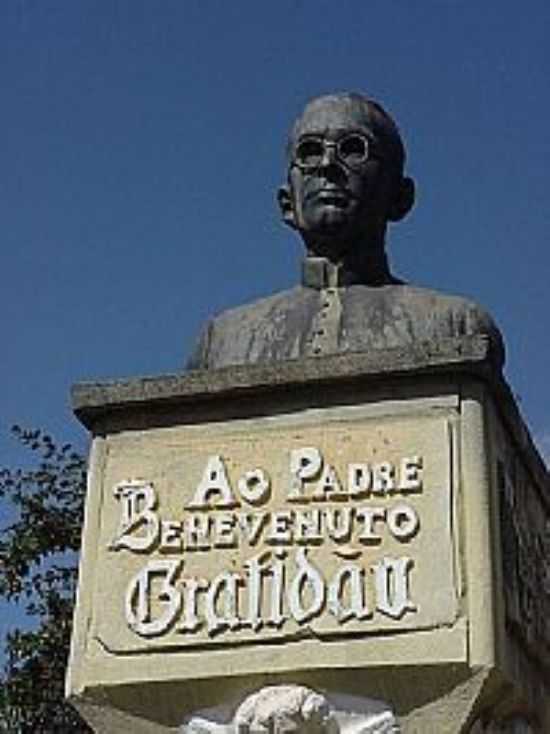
{"x":352,"y":150}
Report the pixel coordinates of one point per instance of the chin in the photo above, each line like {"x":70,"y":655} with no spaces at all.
{"x":330,"y":220}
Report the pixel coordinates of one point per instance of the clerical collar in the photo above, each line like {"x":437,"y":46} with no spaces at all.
{"x":319,"y":273}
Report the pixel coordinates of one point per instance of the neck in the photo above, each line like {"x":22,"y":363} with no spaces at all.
{"x":348,"y":266}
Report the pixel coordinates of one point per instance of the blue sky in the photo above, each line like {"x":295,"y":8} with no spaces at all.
{"x":141,"y":145}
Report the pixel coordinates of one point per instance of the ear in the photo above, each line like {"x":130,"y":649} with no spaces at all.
{"x":285,"y":205}
{"x":403,"y":201}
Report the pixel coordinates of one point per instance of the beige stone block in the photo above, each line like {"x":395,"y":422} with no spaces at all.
{"x":366,"y":539}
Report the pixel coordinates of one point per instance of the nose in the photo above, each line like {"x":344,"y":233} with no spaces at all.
{"x":330,"y":167}
{"x":329,"y":154}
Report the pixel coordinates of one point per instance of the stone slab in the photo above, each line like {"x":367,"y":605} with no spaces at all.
{"x":469,"y":354}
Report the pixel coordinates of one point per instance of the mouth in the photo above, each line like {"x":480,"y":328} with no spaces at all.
{"x":331,"y":197}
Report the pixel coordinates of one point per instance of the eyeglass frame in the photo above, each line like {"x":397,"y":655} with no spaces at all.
{"x":370,"y":147}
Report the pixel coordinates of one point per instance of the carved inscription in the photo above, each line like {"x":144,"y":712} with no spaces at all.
{"x":276,"y":531}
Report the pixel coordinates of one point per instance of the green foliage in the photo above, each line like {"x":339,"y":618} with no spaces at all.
{"x":38,"y":571}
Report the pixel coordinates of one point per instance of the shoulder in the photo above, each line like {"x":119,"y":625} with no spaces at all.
{"x":453,"y":315}
{"x":428,"y":300}
{"x":280,"y":302}
{"x":400,"y":314}
{"x":234,"y":335}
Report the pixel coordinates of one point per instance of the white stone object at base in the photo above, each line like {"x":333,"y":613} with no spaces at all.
{"x":294,"y":709}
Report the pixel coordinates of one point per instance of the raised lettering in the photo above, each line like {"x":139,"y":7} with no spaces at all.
{"x":383,"y":478}
{"x":339,"y":523}
{"x":138,"y":502}
{"x":409,"y":476}
{"x":251,"y":525}
{"x":392,"y":586}
{"x":254,"y":487}
{"x":403,"y":522}
{"x":225,"y":584}
{"x":170,"y":536}
{"x":197,"y":532}
{"x":329,"y":486}
{"x":359,"y":480}
{"x":224,"y":531}
{"x":308,"y":527}
{"x":280,"y":532}
{"x":191,"y":587}
{"x":308,"y":579}
{"x":369,"y":515}
{"x":276,"y":616}
{"x":214,"y":481}
{"x":138,"y":598}
{"x":356,"y":607}
{"x":305,"y":463}
{"x":255,"y":568}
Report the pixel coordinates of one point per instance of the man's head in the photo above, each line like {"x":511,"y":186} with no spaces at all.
{"x":345,"y":176}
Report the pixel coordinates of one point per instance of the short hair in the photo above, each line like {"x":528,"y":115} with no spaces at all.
{"x":378,"y":119}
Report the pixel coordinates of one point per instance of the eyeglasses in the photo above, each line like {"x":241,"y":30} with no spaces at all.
{"x":351,"y":150}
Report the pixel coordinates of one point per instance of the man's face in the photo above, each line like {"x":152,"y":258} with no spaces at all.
{"x":339,"y":186}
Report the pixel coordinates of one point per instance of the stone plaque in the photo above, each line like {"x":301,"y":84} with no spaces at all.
{"x":330,"y":523}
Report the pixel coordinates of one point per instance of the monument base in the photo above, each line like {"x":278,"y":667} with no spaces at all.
{"x":357,"y":542}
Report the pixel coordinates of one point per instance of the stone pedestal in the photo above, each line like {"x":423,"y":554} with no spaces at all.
{"x":369,"y":532}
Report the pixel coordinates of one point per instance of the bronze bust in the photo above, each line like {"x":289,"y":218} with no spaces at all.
{"x":345,"y":184}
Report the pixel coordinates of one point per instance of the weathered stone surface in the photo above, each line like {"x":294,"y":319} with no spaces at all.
{"x":199,"y":441}
{"x":468,"y":354}
{"x":305,"y":322}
